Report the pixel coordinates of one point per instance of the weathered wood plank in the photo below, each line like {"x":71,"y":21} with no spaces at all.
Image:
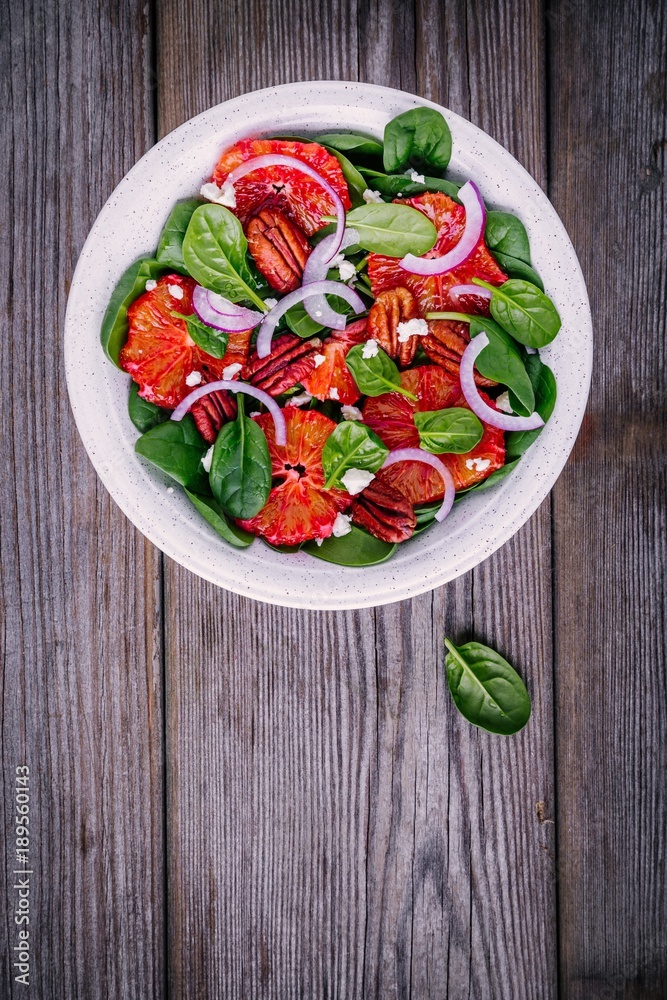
{"x":607,"y":166}
{"x":334,"y":825}
{"x":81,"y":637}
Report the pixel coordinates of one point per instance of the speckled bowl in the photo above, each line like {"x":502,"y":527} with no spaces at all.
{"x":129,"y":226}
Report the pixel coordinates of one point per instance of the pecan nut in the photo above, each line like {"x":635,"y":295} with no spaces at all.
{"x":389,"y":309}
{"x":384,"y":512}
{"x":290,"y":361}
{"x":445,"y":343}
{"x":279,"y":248}
{"x":211,"y":412}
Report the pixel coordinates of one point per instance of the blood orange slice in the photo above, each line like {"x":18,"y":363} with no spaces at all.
{"x":159,"y":353}
{"x":332,"y":378}
{"x":391,"y":416}
{"x":299,"y":196}
{"x":432,"y":292}
{"x":298,"y":508}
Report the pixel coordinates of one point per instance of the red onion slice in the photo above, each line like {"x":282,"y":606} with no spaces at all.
{"x":217,"y":311}
{"x":481,"y":293}
{"x":418,"y":455}
{"x":247,"y":390}
{"x":471,"y":200}
{"x":504,"y":421}
{"x":270,"y":321}
{"x":316,"y":269}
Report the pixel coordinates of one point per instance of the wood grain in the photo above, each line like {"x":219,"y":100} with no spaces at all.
{"x":81,"y":637}
{"x":332,"y":822}
{"x":608,"y":142}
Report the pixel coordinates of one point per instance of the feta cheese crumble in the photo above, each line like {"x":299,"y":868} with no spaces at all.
{"x":333,"y":393}
{"x":207,"y":459}
{"x":416,"y":178}
{"x":300,"y":400}
{"x":170,"y":489}
{"x":369,"y":349}
{"x":478,"y":464}
{"x":231,"y":370}
{"x":411,"y":328}
{"x":372,"y":196}
{"x":194,"y":378}
{"x":347,"y":270}
{"x":176,"y":291}
{"x":219,"y":196}
{"x":351,"y":412}
{"x":270,"y":303}
{"x":342,"y":525}
{"x":356,"y":480}
{"x":319,"y":359}
{"x":151,"y":284}
{"x":503,"y":402}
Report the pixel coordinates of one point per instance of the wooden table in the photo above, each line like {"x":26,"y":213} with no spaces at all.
{"x":233,"y":800}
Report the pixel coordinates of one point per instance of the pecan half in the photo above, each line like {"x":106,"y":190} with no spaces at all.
{"x":290,"y":361}
{"x":445,"y":343}
{"x":211,"y":412}
{"x":389,"y":309}
{"x":385,"y":512}
{"x":279,"y":248}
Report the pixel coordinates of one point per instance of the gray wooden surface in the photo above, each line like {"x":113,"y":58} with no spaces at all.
{"x":233,"y":800}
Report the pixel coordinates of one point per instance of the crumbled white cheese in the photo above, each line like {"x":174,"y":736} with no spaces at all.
{"x":151,"y":284}
{"x":255,"y":413}
{"x":170,"y":489}
{"x":347,"y":270}
{"x":207,"y":459}
{"x":478,"y":464}
{"x":369,"y":349}
{"x":299,"y":400}
{"x":176,"y":291}
{"x":532,"y":350}
{"x":270,"y":303}
{"x":356,"y":480}
{"x":416,"y":178}
{"x":503,"y":402}
{"x":372,"y":196}
{"x":342,"y":525}
{"x":219,"y":196}
{"x":231,"y":370}
{"x":319,"y":359}
{"x":411,"y":328}
{"x":318,"y":541}
{"x":194,"y":378}
{"x":351,"y":412}
{"x":333,"y":392}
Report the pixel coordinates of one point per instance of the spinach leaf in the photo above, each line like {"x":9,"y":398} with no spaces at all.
{"x":351,"y":445}
{"x":419,"y":138}
{"x":214,"y":251}
{"x":487,"y":691}
{"x":212,"y":341}
{"x":144,"y":414}
{"x":216,"y":517}
{"x":515,"y":268}
{"x":524,"y":311}
{"x":357,"y":548}
{"x":375,"y":375}
{"x":391,"y":185}
{"x":495,"y":477}
{"x":544,"y":384}
{"x":394,"y":230}
{"x":241,"y":467}
{"x":300,"y":323}
{"x":506,"y":233}
{"x":177,"y":448}
{"x":360,"y":147}
{"x":170,"y":246}
{"x":503,"y":361}
{"x":454,"y":431}
{"x":356,"y":184}
{"x":130,"y":287}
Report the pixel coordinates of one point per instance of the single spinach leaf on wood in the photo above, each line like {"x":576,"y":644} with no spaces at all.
{"x":393,"y":230}
{"x":455,"y":430}
{"x":351,"y":445}
{"x":240,"y":473}
{"x":393,"y":185}
{"x":523,"y":311}
{"x":506,"y":233}
{"x":357,"y":548}
{"x":515,"y":268}
{"x":144,"y":414}
{"x":486,"y":689}
{"x":214,"y":251}
{"x":212,"y":341}
{"x":170,"y":245}
{"x":177,"y":448}
{"x":212,"y":512}
{"x":132,"y":284}
{"x":544,"y":383}
{"x":375,"y":375}
{"x":418,"y":138}
{"x":503,"y":361}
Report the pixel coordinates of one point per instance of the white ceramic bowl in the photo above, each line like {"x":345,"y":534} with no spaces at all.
{"x":129,"y":226}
